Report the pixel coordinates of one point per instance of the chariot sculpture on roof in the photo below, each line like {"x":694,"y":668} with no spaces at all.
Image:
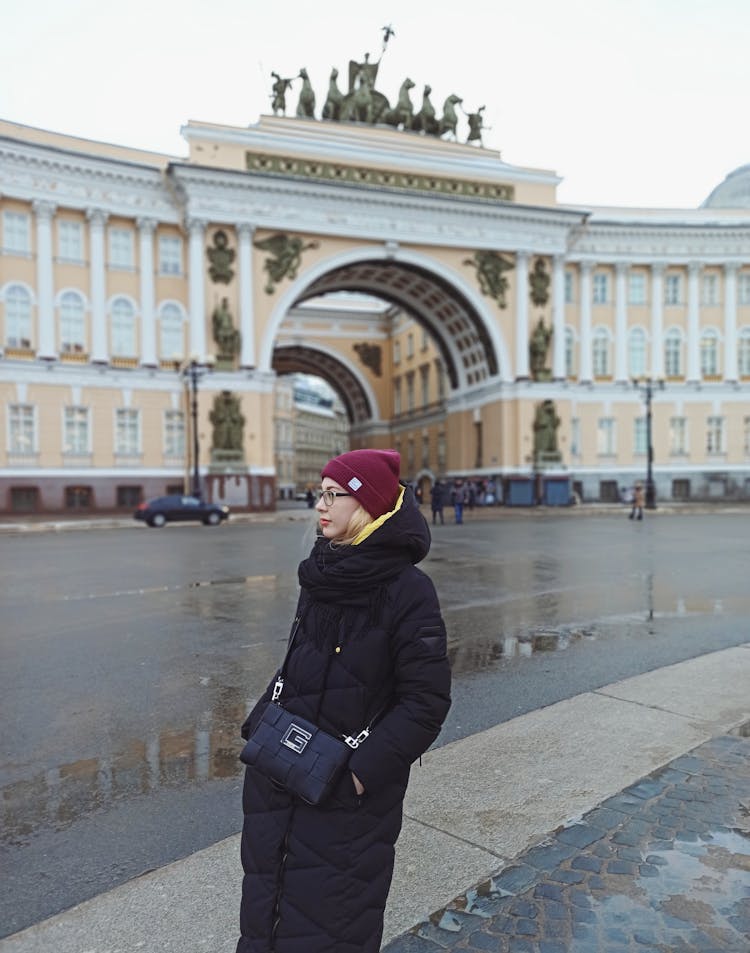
{"x":364,"y":103}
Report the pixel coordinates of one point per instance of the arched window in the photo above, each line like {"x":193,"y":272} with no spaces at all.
{"x":171,"y":343}
{"x":570,"y":353}
{"x":743,"y":353}
{"x":72,"y":323}
{"x":17,"y":317}
{"x":673,"y":353}
{"x":637,"y":352}
{"x":709,"y":353}
{"x":601,"y":352}
{"x":123,"y":328}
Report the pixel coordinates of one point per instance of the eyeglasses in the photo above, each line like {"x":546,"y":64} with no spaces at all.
{"x":329,"y":496}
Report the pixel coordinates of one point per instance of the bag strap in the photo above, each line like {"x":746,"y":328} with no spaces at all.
{"x":281,"y":674}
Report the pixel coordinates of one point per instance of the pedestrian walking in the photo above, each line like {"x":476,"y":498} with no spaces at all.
{"x":310,"y":498}
{"x":638,"y":500}
{"x":436,"y":502}
{"x":368,"y":649}
{"x":459,"y":496}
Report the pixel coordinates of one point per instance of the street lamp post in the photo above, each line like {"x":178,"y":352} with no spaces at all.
{"x":192,"y":371}
{"x":646,"y":388}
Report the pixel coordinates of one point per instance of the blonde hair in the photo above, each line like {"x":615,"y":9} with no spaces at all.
{"x":357,"y":522}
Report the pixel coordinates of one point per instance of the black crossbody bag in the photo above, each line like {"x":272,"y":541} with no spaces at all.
{"x":295,"y":752}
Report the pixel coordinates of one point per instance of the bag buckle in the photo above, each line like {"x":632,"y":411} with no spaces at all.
{"x":279,"y":684}
{"x":356,"y":742}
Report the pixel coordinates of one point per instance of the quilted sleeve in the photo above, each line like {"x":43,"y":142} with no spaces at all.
{"x":421,"y":694}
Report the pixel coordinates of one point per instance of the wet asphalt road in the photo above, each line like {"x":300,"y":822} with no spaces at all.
{"x":128,"y":659}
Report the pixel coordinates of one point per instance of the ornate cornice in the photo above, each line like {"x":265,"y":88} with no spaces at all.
{"x":367,"y":212}
{"x":672,"y":242}
{"x":72,"y":180}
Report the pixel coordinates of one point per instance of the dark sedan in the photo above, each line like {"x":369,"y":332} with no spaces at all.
{"x":176,"y":509}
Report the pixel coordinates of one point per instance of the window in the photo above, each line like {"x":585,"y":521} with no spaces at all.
{"x":746,"y":437}
{"x":24,"y":499}
{"x":678,"y":436}
{"x":129,"y":495}
{"x":170,"y":333}
{"x":601,"y":288}
{"x":21,"y":429}
{"x":70,"y":241}
{"x":410,"y":345}
{"x":170,"y":255}
{"x":123,"y":328}
{"x":673,"y":353}
{"x":72,"y":325}
{"x":637,"y":352}
{"x":441,"y":452}
{"x":640,"y":437}
{"x":78,"y":497}
{"x":76,"y":435}
{"x":710,"y":290}
{"x":16,"y":233}
{"x":575,"y":436}
{"x":121,"y":248}
{"x":709,"y":354}
{"x":605,"y":436}
{"x":440,"y":376}
{"x":410,"y":392}
{"x":601,"y":352}
{"x":636,"y":288}
{"x":743,"y":288}
{"x":425,"y":339}
{"x":397,"y":397}
{"x":396,"y":352}
{"x":17,"y":317}
{"x":569,"y":287}
{"x":425,"y":451}
{"x":569,"y":352}
{"x":410,"y":455}
{"x":127,"y":432}
{"x":715,"y":435}
{"x":425,"y":381}
{"x":174,"y":433}
{"x":743,"y":352}
{"x":672,"y":289}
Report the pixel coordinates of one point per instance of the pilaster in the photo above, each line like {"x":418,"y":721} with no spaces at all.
{"x":558,"y":317}
{"x":730,"y":321}
{"x":44,"y":212}
{"x":146,"y":229}
{"x":693,"y":324}
{"x":247,"y":318}
{"x":621,"y":322}
{"x":657,"y":320}
{"x":197,"y":293}
{"x":585,"y":375}
{"x":522,"y":315}
{"x":99,"y":351}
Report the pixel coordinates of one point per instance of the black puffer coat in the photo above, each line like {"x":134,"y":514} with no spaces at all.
{"x":316,"y":878}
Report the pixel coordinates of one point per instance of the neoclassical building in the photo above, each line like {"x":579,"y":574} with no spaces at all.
{"x":459,"y":310}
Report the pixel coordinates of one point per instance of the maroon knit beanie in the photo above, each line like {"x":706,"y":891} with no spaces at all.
{"x":371,"y":476}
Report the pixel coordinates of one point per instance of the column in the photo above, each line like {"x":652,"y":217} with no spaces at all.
{"x":730,"y":321}
{"x":621,"y":322}
{"x":558,"y":317}
{"x":146,"y":229}
{"x":585,"y":375}
{"x":245,"y":269}
{"x":99,"y":350}
{"x":197,"y":294}
{"x":693,"y":324}
{"x":44,"y":211}
{"x":657,"y":320}
{"x":522,"y":315}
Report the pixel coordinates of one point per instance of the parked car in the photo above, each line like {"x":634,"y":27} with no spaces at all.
{"x":169,"y":509}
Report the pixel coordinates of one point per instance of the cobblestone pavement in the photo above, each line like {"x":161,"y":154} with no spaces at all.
{"x":663,"y":866}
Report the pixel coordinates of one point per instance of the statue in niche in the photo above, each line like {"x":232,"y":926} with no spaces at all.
{"x":332,"y":105}
{"x":306,"y":103}
{"x":221,"y":257}
{"x":278,"y":93}
{"x":476,"y":124}
{"x":546,"y":423}
{"x":539,"y":283}
{"x":371,"y":356}
{"x":490,"y":268}
{"x":286,"y":255}
{"x":538,"y":346}
{"x":228,"y":423}
{"x":226,"y":336}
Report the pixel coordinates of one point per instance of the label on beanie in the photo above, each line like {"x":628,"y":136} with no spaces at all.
{"x":354,"y":484}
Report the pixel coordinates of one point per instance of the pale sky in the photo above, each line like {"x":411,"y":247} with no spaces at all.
{"x":631,"y":102}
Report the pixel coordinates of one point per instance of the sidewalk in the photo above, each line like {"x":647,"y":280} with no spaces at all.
{"x":584,"y":826}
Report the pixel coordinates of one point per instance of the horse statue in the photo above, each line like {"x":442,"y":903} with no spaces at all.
{"x":306,"y":104}
{"x":364,"y":103}
{"x":449,"y":119}
{"x":403,"y":112}
{"x":426,"y":119}
{"x":332,"y":106}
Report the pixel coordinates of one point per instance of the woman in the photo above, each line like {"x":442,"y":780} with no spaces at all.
{"x":370,"y":644}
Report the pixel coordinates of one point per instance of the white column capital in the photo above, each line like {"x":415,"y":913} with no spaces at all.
{"x":196,"y":226}
{"x":658,"y":267}
{"x":97,"y":217}
{"x":43,"y":209}
{"x":732,"y":267}
{"x":147,"y":225}
{"x":245,"y":229}
{"x":694,"y":267}
{"x":622,"y":268}
{"x":587,"y":267}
